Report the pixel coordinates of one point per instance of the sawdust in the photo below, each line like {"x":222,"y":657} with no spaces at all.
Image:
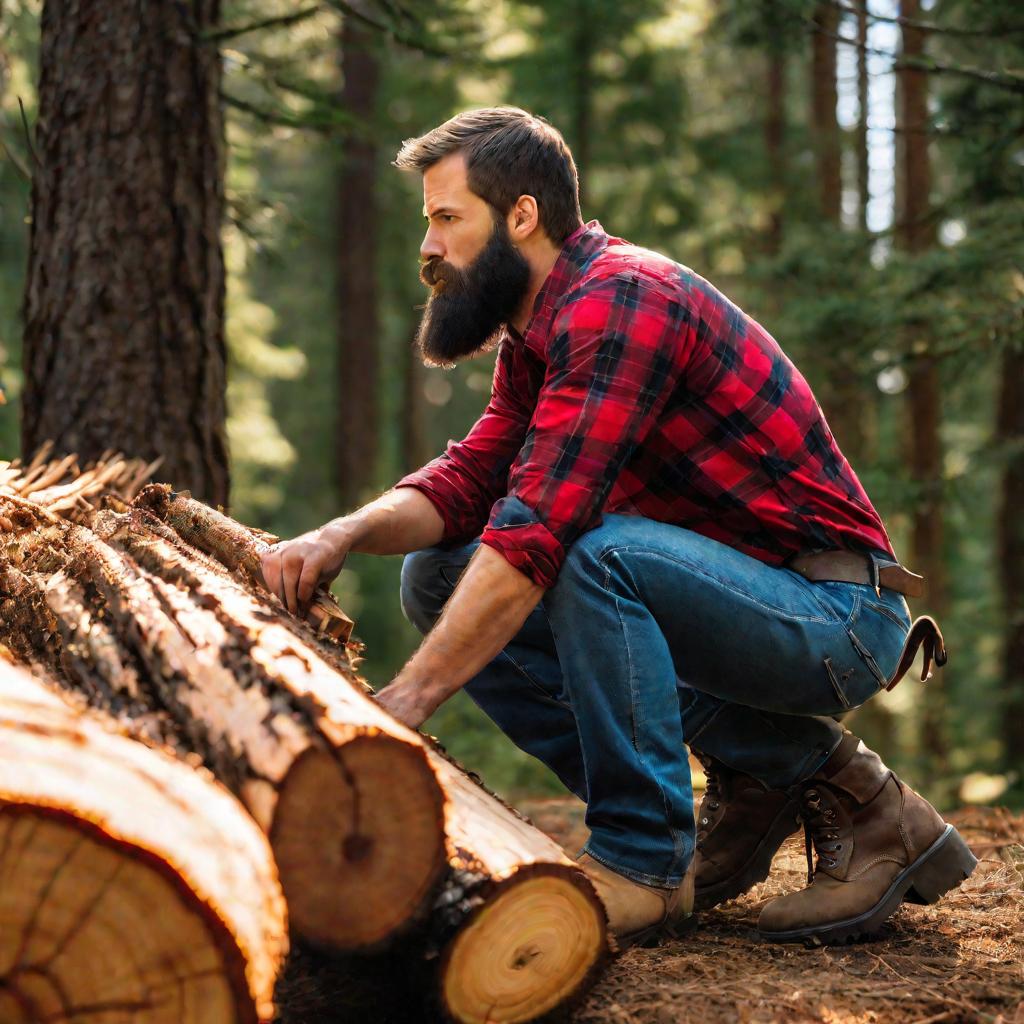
{"x":960,"y":961}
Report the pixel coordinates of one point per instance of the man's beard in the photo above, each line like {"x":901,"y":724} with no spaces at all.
{"x":467,"y":308}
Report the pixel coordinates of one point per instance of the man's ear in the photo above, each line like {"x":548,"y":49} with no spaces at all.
{"x":523,"y":219}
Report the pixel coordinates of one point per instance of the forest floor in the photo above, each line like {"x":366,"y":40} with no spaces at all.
{"x":959,"y":961}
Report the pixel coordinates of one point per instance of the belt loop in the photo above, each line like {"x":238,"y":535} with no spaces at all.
{"x":873,"y":574}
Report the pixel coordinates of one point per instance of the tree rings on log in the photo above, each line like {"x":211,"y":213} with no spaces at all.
{"x":533,"y":945}
{"x":521,"y":929}
{"x":133,"y":889}
{"x":355,"y":836}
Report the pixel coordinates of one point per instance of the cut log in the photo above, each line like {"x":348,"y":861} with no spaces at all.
{"x":351,"y":804}
{"x":520,"y":929}
{"x":133,"y":890}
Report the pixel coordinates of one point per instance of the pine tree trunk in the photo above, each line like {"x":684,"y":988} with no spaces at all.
{"x":358,"y":323}
{"x":841,"y":395}
{"x":124,"y":334}
{"x":134,"y":887}
{"x":915,"y":233}
{"x":823,"y":110}
{"x":1010,"y":553}
{"x":863,"y":175}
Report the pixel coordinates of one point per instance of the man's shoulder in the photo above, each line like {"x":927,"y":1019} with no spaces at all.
{"x":623,"y":263}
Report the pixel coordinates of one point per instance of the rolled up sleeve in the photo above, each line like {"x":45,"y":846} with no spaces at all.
{"x":613,"y":359}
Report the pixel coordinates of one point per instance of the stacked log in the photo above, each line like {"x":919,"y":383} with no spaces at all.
{"x":131,"y":887}
{"x":155,"y":611}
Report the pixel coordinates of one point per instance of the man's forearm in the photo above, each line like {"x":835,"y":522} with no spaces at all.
{"x":486,"y":610}
{"x":396,"y":523}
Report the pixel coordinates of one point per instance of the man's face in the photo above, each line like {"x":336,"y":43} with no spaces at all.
{"x":477,"y":277}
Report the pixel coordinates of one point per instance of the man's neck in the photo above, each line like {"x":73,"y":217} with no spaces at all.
{"x":542,"y":256}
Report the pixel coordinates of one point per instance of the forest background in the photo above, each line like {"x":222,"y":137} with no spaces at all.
{"x":850,"y":173}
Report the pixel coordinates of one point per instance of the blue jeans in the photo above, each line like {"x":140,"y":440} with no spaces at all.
{"x":654,"y":638}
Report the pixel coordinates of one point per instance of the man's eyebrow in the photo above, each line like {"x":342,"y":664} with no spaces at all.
{"x":437,"y":211}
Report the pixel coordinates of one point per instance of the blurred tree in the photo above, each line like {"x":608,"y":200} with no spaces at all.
{"x":842,"y":391}
{"x":124,"y":303}
{"x":825,"y":126}
{"x":916,"y":233}
{"x":1010,"y":550}
{"x":357,"y":426}
{"x":861,"y":147}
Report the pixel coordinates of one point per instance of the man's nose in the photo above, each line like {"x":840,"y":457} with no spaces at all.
{"x":431,"y":246}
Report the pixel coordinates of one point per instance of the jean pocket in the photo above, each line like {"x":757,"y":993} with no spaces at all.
{"x":901,"y":619}
{"x":839,"y":680}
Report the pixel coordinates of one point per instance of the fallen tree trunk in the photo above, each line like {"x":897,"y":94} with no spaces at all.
{"x":517,"y":929}
{"x":352,"y":807}
{"x":133,"y":888}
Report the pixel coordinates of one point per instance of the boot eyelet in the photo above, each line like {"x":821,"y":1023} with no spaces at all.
{"x":703,"y":821}
{"x":714,"y":805}
{"x":812,"y":794}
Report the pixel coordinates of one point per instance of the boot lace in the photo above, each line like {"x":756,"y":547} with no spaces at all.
{"x":821,"y":831}
{"x":712,"y":796}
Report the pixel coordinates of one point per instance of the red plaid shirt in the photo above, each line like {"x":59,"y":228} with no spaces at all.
{"x":639,"y":388}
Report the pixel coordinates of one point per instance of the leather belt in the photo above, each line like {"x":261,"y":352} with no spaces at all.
{"x":848,"y":567}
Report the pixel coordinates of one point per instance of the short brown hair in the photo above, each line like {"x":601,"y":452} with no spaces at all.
{"x":509,"y":153}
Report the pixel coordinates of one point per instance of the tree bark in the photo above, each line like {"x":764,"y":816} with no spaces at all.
{"x":1010,"y":552}
{"x":358,"y":322}
{"x":134,"y":886}
{"x":124,"y":301}
{"x":915,"y":233}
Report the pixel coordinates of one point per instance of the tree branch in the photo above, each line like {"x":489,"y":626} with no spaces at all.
{"x":232,"y":32}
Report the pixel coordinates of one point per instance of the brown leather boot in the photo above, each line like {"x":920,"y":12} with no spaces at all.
{"x":878,"y":843}
{"x":740,"y":826}
{"x":641,"y":914}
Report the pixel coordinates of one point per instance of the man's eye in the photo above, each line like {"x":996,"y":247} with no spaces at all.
{"x":447,"y":217}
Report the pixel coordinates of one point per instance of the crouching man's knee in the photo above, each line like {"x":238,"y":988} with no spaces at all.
{"x":428,"y":579}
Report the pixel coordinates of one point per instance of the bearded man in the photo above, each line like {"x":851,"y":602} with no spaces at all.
{"x":649,"y":541}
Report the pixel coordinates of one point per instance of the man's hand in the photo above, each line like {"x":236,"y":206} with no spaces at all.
{"x":411,"y":705}
{"x":293,"y":569}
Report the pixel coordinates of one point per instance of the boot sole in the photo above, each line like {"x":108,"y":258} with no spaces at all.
{"x":648,"y":938}
{"x":943,"y":866}
{"x":757,"y":868}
